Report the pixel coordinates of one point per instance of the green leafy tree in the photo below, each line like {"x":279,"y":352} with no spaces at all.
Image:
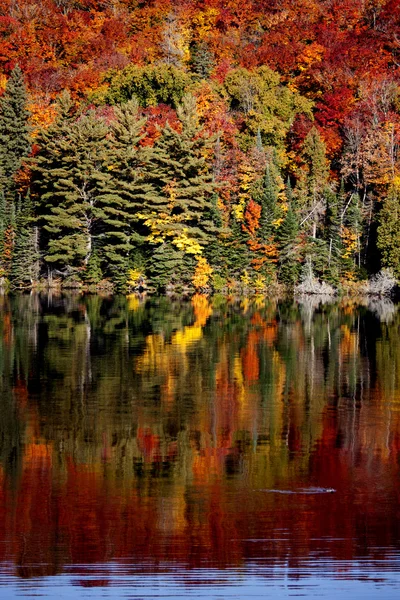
{"x":150,"y":85}
{"x":269,"y":107}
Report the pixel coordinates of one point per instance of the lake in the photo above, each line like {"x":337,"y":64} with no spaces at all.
{"x":204,"y":448}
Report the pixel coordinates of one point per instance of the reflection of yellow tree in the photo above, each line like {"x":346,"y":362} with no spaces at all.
{"x":167,"y":360}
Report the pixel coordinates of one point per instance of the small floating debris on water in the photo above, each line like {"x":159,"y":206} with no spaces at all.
{"x":308,"y":490}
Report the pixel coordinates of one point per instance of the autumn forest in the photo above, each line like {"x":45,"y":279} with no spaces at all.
{"x":199,"y":145}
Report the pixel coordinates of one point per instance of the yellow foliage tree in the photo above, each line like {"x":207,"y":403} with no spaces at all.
{"x":202,"y":273}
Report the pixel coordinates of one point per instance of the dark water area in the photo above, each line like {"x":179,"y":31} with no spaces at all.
{"x":209,"y":448}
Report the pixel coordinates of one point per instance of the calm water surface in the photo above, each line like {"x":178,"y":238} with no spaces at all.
{"x":152,"y":448}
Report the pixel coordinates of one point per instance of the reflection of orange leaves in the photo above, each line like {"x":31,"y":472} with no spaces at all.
{"x":202,"y":309}
{"x":208,"y":464}
{"x":257,"y":320}
{"x":38,"y":453}
{"x":349,"y":342}
{"x":270,"y":333}
{"x":250,"y":360}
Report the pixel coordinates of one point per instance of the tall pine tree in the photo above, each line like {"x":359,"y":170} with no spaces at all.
{"x":71,"y":172}
{"x":14,"y":132}
{"x":179,"y":206}
{"x":124,"y":191}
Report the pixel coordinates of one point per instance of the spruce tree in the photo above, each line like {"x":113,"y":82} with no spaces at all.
{"x":388,"y":230}
{"x":316,"y":180}
{"x":180,"y":201}
{"x":14,"y":132}
{"x":270,"y":197}
{"x":24,"y":268}
{"x":125,"y":191}
{"x":289,"y":265}
{"x":215,"y":250}
{"x":333,"y":227}
{"x":181,"y":178}
{"x":166,"y":266}
{"x":202,"y":60}
{"x":269,"y":203}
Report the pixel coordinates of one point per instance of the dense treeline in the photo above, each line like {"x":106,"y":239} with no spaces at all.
{"x":211,"y":161}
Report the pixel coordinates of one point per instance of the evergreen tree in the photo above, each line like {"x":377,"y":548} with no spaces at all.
{"x":236,"y":253}
{"x":215,"y":250}
{"x":125,"y":191}
{"x":165,"y":266}
{"x":7,"y":236}
{"x":3,"y":227}
{"x":70,"y":175}
{"x":289,"y":265}
{"x":179,"y":205}
{"x":316,"y":180}
{"x":388,"y":230}
{"x":202,"y":60}
{"x":181,"y":177}
{"x":24,"y":268}
{"x":14,"y":132}
{"x":270,"y":196}
{"x":333,"y":227}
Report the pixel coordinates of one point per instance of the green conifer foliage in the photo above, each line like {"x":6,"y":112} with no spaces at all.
{"x":14,"y":132}
{"x":289,"y":265}
{"x":268,"y":199}
{"x":333,"y":227}
{"x":71,"y":173}
{"x":389,"y":231}
{"x":314,"y":153}
{"x":202,"y":60}
{"x":166,"y":266}
{"x":215,"y":250}
{"x":124,"y":191}
{"x":24,"y":269}
{"x":316,"y":180}
{"x":181,"y":179}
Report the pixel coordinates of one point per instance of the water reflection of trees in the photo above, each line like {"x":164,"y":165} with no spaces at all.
{"x":136,"y":404}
